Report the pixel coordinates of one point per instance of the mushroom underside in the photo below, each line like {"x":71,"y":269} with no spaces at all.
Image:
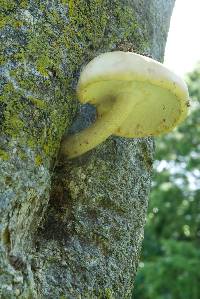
{"x":158,"y":110}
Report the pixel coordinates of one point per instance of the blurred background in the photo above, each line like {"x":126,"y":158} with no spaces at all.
{"x":170,"y":262}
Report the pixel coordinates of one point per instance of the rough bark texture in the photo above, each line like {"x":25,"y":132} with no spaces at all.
{"x":69,"y":229}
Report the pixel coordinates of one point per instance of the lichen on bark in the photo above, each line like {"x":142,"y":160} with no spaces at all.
{"x":69,"y":228}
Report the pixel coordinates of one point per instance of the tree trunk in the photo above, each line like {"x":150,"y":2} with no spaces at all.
{"x":69,"y":228}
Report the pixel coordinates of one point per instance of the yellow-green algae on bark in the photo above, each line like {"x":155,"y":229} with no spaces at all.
{"x":45,"y":45}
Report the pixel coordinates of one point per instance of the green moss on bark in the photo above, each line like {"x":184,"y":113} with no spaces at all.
{"x":42,"y":60}
{"x":4,"y":155}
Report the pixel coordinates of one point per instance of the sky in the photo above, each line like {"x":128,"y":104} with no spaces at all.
{"x":183,"y":45}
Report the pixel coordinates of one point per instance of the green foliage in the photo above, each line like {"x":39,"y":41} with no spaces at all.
{"x":173,"y":274}
{"x":171,"y":258}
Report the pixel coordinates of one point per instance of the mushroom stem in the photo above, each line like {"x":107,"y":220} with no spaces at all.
{"x":105,"y":126}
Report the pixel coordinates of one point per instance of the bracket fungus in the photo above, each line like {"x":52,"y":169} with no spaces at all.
{"x":135,"y":96}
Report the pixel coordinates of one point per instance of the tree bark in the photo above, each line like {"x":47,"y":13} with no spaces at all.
{"x":69,"y":228}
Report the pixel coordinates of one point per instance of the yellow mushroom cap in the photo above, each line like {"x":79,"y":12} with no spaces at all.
{"x":162,"y":102}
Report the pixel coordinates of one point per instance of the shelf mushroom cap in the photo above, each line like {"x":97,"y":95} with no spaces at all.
{"x":161,"y":97}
